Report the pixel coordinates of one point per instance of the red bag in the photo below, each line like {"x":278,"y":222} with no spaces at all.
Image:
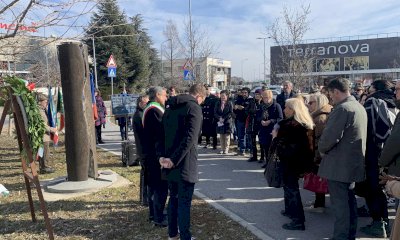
{"x":315,"y":183}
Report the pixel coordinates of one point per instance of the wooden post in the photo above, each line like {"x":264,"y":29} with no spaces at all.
{"x":79,"y":120}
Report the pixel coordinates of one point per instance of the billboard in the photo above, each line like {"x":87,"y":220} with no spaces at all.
{"x":341,"y":57}
{"x":123,"y":104}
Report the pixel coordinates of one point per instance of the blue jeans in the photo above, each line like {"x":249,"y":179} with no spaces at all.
{"x":241,"y":133}
{"x":344,"y":206}
{"x":180,"y":201}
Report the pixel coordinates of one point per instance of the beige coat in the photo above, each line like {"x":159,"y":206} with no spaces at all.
{"x":46,"y":136}
{"x":393,"y":188}
{"x":319,"y":117}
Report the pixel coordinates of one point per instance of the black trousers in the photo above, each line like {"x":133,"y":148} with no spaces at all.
{"x":180,"y":202}
{"x":292,"y":198}
{"x":253,"y":137}
{"x":98,"y":133}
{"x":157,"y":197}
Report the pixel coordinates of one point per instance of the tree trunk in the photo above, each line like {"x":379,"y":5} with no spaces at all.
{"x":79,"y":121}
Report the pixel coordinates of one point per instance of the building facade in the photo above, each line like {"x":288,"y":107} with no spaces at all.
{"x":360,"y":60}
{"x":213,"y":71}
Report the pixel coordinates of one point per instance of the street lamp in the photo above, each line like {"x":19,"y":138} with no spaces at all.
{"x":241,"y":65}
{"x":263,"y":38}
{"x":161,"y":53}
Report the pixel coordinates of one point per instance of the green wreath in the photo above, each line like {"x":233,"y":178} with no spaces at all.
{"x":36,"y":127}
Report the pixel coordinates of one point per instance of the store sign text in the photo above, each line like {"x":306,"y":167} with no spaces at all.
{"x":321,"y":51}
{"x":21,"y":27}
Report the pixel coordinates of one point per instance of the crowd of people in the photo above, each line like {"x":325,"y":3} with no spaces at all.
{"x":336,"y":133}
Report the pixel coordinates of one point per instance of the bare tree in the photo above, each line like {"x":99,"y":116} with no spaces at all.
{"x":198,"y":41}
{"x":22,"y":21}
{"x":296,"y":60}
{"x":172,"y":51}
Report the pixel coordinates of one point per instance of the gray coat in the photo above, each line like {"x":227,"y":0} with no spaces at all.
{"x":390,"y":156}
{"x":343,"y":141}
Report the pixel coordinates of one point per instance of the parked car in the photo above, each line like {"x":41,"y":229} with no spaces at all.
{"x":275,"y":92}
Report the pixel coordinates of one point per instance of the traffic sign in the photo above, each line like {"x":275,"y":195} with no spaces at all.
{"x":188,"y":64}
{"x":111,"y":62}
{"x":112,"y":72}
{"x":187,"y":75}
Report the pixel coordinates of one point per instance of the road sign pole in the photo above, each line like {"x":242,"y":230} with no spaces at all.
{"x":112,"y":86}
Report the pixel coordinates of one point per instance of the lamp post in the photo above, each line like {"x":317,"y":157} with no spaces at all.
{"x":241,"y":66}
{"x":161,"y":53}
{"x":265,"y":79}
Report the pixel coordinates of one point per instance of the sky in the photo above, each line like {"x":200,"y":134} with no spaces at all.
{"x":234,"y":25}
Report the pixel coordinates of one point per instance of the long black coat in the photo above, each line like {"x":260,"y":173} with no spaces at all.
{"x":294,"y":147}
{"x":182,"y":124}
{"x":138,"y":132}
{"x":226,"y":114}
{"x":209,"y":123}
{"x":153,"y":142}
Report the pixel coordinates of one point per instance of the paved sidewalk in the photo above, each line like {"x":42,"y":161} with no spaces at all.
{"x":238,"y":188}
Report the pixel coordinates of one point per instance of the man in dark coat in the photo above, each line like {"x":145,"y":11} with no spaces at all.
{"x":380,"y":124}
{"x":209,"y":128}
{"x":153,"y":142}
{"x":138,"y":133}
{"x":182,"y":124}
{"x":241,"y":104}
{"x":286,"y":93}
{"x":253,"y":126}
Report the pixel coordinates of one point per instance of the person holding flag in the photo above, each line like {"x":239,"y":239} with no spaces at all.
{"x":52,"y":118}
{"x":43,"y":153}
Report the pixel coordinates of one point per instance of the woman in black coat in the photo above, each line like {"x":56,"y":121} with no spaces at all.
{"x":267,"y":116}
{"x":223,"y":112}
{"x":295,"y":154}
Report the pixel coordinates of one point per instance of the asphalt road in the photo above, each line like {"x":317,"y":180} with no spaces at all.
{"x":237,"y":187}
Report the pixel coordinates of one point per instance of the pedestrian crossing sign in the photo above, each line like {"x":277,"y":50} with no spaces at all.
{"x":187,"y":75}
{"x":112,"y":72}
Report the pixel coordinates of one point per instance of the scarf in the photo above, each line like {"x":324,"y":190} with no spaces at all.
{"x":149,"y":106}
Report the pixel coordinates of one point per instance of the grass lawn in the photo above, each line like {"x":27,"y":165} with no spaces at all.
{"x":112,"y":213}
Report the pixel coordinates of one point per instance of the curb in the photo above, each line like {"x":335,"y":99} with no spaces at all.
{"x":257,"y":232}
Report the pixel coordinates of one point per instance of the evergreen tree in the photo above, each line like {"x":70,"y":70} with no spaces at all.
{"x":109,"y":27}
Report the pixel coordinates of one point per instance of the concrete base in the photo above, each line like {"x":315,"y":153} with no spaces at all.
{"x":60,"y":188}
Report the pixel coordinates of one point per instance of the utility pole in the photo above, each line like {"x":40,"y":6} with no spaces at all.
{"x":94,"y":63}
{"x":265,"y":78}
{"x":191,"y":38}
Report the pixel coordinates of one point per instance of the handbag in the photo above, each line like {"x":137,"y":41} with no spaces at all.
{"x":273,"y":171}
{"x":315,"y":183}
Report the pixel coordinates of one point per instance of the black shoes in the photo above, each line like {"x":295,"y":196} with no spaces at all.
{"x":284,"y":213}
{"x":162,"y":224}
{"x":252,"y":159}
{"x":294,"y":226}
{"x":100,"y":141}
{"x":46,"y":170}
{"x":264,"y":165}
